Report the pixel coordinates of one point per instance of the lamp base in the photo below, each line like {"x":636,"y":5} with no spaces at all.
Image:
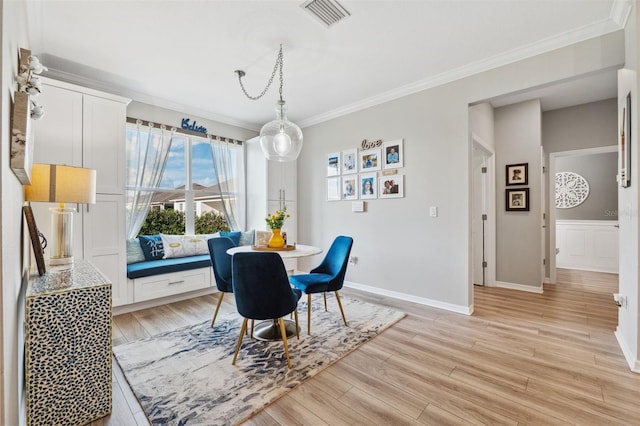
{"x":62,"y":236}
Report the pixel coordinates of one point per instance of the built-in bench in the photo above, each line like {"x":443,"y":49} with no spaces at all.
{"x":152,"y":276}
{"x":165,"y":266}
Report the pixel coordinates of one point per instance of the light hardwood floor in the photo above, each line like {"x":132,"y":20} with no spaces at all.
{"x":520,"y":359}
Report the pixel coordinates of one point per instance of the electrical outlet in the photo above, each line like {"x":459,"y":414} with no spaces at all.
{"x":353,"y":259}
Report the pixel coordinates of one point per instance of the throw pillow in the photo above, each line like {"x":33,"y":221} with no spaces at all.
{"x":246,"y":238}
{"x":234,"y":235}
{"x":134,"y":251}
{"x":184,"y":245}
{"x":151,"y":246}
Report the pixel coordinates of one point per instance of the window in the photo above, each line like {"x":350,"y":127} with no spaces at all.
{"x":187,"y":199}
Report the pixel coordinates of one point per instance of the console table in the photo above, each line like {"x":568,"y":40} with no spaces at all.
{"x":68,"y":346}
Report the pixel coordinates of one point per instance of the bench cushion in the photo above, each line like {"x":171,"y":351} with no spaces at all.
{"x":164,"y":266}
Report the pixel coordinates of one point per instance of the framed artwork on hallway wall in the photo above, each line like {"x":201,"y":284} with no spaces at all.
{"x":517,"y":174}
{"x":517,"y":200}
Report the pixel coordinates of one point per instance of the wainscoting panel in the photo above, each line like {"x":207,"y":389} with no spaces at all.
{"x":590,"y":245}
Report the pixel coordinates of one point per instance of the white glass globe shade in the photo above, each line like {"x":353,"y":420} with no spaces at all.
{"x":280,"y":139}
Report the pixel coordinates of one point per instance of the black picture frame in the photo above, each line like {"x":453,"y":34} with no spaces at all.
{"x":38,"y":250}
{"x":517,"y":174}
{"x":517,"y":200}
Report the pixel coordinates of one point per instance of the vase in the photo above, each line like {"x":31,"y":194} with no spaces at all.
{"x":276,"y":240}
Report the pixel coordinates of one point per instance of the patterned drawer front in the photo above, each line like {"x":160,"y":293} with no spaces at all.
{"x":157,"y":286}
{"x":68,"y":356}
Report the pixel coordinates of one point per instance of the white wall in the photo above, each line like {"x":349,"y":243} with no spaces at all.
{"x":628,"y":331}
{"x":518,"y":130}
{"x":400,"y":248}
{"x":13,"y":247}
{"x":481,"y":124}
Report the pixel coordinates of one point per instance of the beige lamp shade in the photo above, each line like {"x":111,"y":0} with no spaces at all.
{"x":61,"y":184}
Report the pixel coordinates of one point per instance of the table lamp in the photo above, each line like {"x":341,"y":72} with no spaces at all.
{"x":61,"y":184}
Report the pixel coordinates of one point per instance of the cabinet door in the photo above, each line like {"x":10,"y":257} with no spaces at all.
{"x":58,"y":134}
{"x":104,"y":142}
{"x":282,"y":180}
{"x":104,"y":241}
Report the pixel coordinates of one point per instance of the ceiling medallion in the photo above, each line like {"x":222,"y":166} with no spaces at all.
{"x":571,"y":190}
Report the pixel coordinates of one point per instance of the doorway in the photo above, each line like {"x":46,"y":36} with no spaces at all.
{"x":605,"y":249}
{"x":483,"y":213}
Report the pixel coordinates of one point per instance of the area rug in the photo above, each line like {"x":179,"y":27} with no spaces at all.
{"x":185,"y":377}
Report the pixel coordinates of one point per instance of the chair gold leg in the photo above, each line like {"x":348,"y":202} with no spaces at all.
{"x":309,"y":313}
{"x":215,"y":314}
{"x":295,"y":313}
{"x":341,"y":310}
{"x":252,"y":323}
{"x":283,"y":331}
{"x":325,"y":301}
{"x":242,"y":330}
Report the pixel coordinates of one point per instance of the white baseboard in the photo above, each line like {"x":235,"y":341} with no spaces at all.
{"x":634,"y":364}
{"x":123,"y":309}
{"x":466,"y":310}
{"x":589,"y":268}
{"x":521,"y":287}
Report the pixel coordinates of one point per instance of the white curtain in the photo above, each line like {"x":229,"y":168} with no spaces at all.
{"x":147,"y":153}
{"x":229,"y":170}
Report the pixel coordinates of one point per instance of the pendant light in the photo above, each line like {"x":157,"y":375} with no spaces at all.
{"x":280,"y":139}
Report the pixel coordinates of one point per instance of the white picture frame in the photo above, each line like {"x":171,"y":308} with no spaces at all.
{"x":370,"y":160}
{"x":333,"y":164}
{"x":393,"y":154}
{"x":391,"y":186}
{"x":350,"y":187}
{"x":349,"y":161}
{"x":368,"y":186}
{"x":333,"y":189}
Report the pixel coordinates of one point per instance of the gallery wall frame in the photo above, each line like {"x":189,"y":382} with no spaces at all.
{"x":393,"y":154}
{"x":368,"y":186}
{"x":333,"y":189}
{"x":370,"y":160}
{"x":517,"y":200}
{"x":333,"y":164}
{"x":349,"y":187}
{"x":517,"y":174}
{"x":391,"y":186}
{"x":349,"y":161}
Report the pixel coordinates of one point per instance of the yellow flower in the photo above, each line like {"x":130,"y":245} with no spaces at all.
{"x":275,"y":221}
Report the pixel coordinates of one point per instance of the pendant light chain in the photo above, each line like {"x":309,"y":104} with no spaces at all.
{"x":279,"y":63}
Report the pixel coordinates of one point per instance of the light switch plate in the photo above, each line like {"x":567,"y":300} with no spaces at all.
{"x":433,"y":211}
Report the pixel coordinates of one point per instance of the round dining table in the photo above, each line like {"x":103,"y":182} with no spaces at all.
{"x":270,"y":330}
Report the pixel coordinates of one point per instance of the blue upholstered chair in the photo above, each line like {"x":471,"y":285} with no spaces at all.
{"x":262,"y":292}
{"x":328,"y":276}
{"x":221,"y":264}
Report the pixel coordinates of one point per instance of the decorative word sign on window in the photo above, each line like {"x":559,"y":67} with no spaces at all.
{"x":571,"y":190}
{"x":186,"y":125}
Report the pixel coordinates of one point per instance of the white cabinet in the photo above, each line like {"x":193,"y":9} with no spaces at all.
{"x":86,"y":128}
{"x":271,"y":185}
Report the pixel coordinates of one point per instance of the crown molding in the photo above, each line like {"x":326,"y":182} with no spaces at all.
{"x":620,"y":11}
{"x":568,"y":38}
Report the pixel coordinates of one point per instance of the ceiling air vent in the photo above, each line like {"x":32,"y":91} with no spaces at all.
{"x":328,"y":12}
